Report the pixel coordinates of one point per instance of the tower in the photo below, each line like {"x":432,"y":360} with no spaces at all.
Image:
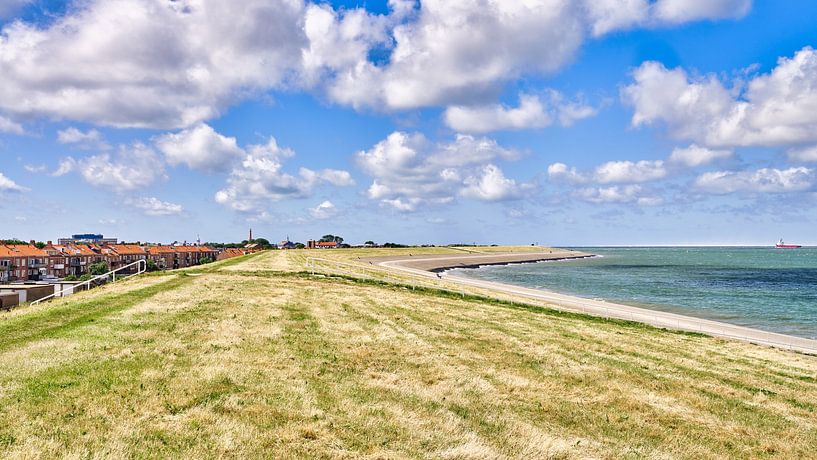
{"x":250,"y":240}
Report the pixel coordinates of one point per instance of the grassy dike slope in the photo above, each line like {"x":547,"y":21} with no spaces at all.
{"x":255,"y":358}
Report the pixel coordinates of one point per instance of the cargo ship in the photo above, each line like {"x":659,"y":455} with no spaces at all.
{"x":781,"y":245}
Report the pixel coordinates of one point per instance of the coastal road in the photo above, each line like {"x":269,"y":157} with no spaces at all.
{"x":425,"y":265}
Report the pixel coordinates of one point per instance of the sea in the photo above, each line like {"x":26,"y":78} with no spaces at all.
{"x":760,"y":287}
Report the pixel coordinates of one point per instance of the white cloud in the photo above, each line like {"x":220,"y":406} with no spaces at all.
{"x":766,"y":180}
{"x":774,"y":109}
{"x":259,"y":179}
{"x":610,"y":15}
{"x":622,"y":194}
{"x":324,"y":210}
{"x":803,"y":155}
{"x":172,"y":64}
{"x":561,"y":171}
{"x":201,"y":148}
{"x":8,"y":126}
{"x":532,"y":112}
{"x":8,"y":185}
{"x":90,"y":140}
{"x":133,"y":168}
{"x":619,"y":172}
{"x":155,"y":207}
{"x":678,"y":11}
{"x":143,"y":63}
{"x":457,"y":50}
{"x":408,"y":171}
{"x":695,"y":156}
{"x":490,"y":184}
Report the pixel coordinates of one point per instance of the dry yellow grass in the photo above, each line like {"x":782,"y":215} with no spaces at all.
{"x":255,"y":362}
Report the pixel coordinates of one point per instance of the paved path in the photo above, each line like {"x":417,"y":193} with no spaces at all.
{"x":611,"y":310}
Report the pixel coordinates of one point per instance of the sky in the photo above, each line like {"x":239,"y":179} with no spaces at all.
{"x":559,"y":122}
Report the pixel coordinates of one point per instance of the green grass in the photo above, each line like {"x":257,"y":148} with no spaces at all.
{"x":245,"y":361}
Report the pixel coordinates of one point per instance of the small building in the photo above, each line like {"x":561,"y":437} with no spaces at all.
{"x":326,"y":245}
{"x":28,"y":292}
{"x":229,"y":253}
{"x":8,"y":300}
{"x":286,"y":244}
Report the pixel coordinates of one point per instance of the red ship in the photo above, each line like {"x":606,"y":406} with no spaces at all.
{"x":781,"y":245}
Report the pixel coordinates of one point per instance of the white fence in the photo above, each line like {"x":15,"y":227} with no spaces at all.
{"x":141,"y":267}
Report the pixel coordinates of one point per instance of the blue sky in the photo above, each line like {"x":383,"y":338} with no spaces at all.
{"x":557,"y":122}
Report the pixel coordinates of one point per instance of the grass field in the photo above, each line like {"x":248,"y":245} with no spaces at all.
{"x":253,"y":357}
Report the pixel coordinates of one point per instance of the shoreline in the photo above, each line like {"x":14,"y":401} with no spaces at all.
{"x":443,"y":262}
{"x":430,"y":267}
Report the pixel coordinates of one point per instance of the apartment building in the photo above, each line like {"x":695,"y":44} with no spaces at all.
{"x":22,"y":262}
{"x":121,"y":255}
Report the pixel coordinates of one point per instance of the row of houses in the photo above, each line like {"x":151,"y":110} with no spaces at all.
{"x":27,"y":262}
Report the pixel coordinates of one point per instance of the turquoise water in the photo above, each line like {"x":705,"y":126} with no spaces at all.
{"x":765,"y":288}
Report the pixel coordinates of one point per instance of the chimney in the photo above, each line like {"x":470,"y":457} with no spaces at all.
{"x":32,"y":242}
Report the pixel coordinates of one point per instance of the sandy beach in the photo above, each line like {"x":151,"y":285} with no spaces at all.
{"x":427,"y":265}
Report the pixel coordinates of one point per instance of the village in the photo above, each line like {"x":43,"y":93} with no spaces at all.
{"x":84,"y":255}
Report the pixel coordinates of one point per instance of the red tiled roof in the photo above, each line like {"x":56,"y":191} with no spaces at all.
{"x":127,"y":249}
{"x":24,"y":250}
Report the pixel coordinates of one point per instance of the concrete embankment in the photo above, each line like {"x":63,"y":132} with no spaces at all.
{"x":442,"y":262}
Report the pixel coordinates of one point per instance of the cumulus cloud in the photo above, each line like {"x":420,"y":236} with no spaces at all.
{"x":610,"y":15}
{"x":611,"y":172}
{"x":774,"y":109}
{"x":142,"y":63}
{"x":172,"y":64}
{"x":490,"y":184}
{"x":765,"y":180}
{"x":155,"y":207}
{"x":134,"y":167}
{"x":630,"y":172}
{"x":532,"y":112}
{"x":621,"y":194}
{"x":89,"y":140}
{"x":409,"y":171}
{"x":695,"y":156}
{"x":456,"y":52}
{"x":8,"y":185}
{"x":325,"y":210}
{"x":201,"y":148}
{"x":259,"y":179}
{"x":678,"y":11}
{"x":561,"y":171}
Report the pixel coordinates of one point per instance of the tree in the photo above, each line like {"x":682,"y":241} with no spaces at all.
{"x":70,"y":278}
{"x":299,"y":246}
{"x":331,"y":238}
{"x":151,"y":266}
{"x":99,"y":268}
{"x":85,"y":277}
{"x":262,"y":242}
{"x":205,"y":260}
{"x":369,"y":243}
{"x":39,"y":245}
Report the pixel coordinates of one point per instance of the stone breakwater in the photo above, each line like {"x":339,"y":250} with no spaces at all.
{"x":442,"y":262}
